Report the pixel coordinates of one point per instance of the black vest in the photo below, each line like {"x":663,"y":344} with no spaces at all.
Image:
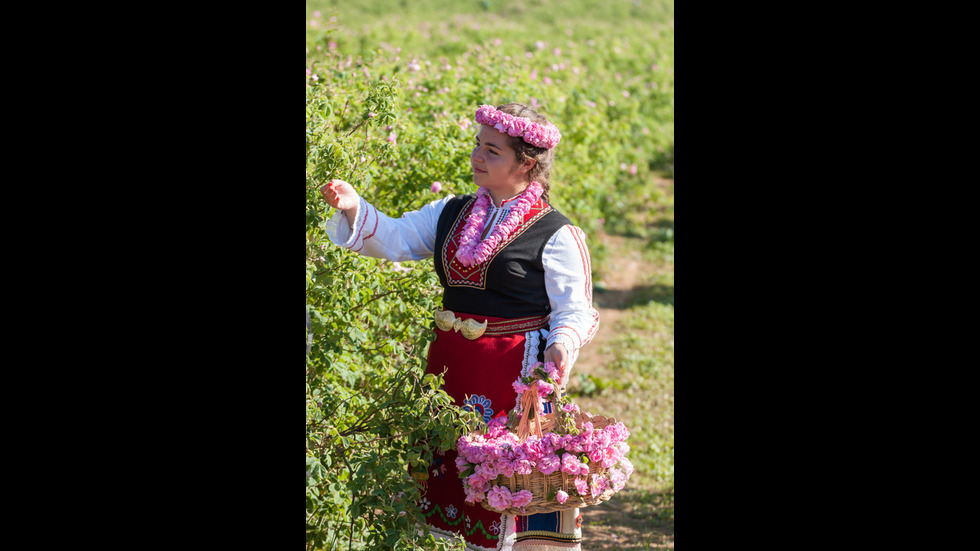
{"x":509,"y":284}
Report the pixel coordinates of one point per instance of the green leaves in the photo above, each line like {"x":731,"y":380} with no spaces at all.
{"x":391,"y":130}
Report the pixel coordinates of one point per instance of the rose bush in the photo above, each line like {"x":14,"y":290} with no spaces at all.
{"x":389,"y":108}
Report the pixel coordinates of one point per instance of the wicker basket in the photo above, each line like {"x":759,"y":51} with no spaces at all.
{"x":542,"y":485}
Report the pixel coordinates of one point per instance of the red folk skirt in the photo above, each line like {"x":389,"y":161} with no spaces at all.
{"x":478,"y":376}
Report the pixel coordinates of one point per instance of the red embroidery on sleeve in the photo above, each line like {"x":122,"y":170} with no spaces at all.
{"x":583,"y":252}
{"x":375,"y":230}
{"x":556,"y":331}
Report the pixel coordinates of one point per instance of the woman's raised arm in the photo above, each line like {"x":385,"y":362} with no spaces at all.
{"x":360,"y":227}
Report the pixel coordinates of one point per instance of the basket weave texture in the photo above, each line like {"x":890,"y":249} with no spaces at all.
{"x":580,"y":443}
{"x":542,"y":485}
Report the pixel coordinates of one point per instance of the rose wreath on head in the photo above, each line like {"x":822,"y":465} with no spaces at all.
{"x":539,"y":135}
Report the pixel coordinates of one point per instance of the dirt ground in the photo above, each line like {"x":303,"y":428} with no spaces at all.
{"x":632,"y":519}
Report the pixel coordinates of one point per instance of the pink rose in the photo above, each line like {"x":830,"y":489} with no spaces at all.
{"x":570,"y":408}
{"x":392,"y":138}
{"x":499,"y":497}
{"x":599,"y":485}
{"x":597,"y":455}
{"x":523,"y":466}
{"x":549,"y":369}
{"x":627,"y":466}
{"x":571,"y":465}
{"x":581,"y":486}
{"x":561,"y":496}
{"x":436,"y":187}
{"x":522,"y":498}
{"x":549,"y":463}
{"x":477,"y":482}
{"x":473,"y":496}
{"x":504,"y":467}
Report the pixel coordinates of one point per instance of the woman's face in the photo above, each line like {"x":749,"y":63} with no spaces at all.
{"x":494,"y":162}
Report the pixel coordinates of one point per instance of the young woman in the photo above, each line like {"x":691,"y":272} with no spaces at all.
{"x":517,"y":290}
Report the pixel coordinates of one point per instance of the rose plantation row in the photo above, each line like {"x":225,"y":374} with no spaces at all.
{"x":392,"y":127}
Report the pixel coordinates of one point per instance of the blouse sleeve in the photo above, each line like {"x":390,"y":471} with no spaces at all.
{"x":411,"y":237}
{"x":568,"y":279}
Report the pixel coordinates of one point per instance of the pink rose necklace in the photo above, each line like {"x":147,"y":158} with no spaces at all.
{"x":472,"y":251}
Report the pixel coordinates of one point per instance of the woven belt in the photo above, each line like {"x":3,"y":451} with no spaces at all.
{"x":472,"y":329}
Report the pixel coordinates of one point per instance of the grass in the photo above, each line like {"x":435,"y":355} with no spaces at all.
{"x":632,"y":378}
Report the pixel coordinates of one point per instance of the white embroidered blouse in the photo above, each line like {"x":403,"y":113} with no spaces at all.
{"x":568,"y":273}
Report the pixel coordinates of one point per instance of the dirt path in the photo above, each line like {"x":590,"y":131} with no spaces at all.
{"x":635,"y":519}
{"x":614,"y":525}
{"x":619,"y":284}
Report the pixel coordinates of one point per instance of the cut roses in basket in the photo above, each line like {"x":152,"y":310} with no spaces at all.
{"x":533,"y":463}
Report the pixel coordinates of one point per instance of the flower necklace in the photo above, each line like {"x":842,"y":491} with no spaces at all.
{"x":472,"y":251}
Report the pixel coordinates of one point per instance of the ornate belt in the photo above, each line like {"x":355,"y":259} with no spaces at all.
{"x":472,"y":329}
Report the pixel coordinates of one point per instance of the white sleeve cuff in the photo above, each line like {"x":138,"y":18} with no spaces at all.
{"x":339,"y":230}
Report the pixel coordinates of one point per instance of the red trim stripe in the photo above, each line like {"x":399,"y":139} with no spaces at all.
{"x":556,"y":331}
{"x":374,"y":231}
{"x":583,"y":252}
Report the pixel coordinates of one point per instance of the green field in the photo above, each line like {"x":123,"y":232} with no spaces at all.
{"x":390,"y":94}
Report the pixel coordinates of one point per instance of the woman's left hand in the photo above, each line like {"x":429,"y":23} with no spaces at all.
{"x":557,"y":354}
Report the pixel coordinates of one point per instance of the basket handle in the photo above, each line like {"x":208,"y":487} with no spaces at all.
{"x":529,"y":410}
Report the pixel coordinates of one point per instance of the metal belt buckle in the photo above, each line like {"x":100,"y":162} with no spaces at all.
{"x":471,"y":328}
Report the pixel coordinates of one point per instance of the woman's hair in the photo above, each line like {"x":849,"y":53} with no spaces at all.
{"x":543,"y":157}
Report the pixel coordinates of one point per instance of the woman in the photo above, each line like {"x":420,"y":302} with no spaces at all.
{"x":517,"y":290}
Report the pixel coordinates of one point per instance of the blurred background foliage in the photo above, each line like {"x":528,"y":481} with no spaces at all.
{"x":391,"y":88}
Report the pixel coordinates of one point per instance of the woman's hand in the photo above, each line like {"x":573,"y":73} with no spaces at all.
{"x":557,"y":355}
{"x":339,"y":195}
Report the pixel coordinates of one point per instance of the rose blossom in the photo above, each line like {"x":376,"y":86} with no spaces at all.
{"x":561,"y":496}
{"x":570,"y":408}
{"x":549,"y":463}
{"x":581,"y":486}
{"x":571,"y":465}
{"x":436,"y":187}
{"x":503,"y":467}
{"x":611,"y":457}
{"x":627,"y":466}
{"x":597,"y":455}
{"x":599,"y":485}
{"x":617,"y":478}
{"x":499,"y":497}
{"x":473,"y":496}
{"x":522,"y":466}
{"x":522,"y":498}
{"x":550,"y":368}
{"x":477,"y":482}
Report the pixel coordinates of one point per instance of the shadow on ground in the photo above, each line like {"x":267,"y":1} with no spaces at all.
{"x":639,"y":295}
{"x":633,"y":519}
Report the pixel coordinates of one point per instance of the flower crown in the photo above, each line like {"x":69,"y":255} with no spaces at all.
{"x":539,"y":135}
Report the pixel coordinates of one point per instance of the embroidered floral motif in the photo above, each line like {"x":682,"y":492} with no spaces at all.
{"x":440,"y":469}
{"x":475,"y":276}
{"x":451,"y":512}
{"x":495,"y":527}
{"x":467,"y":522}
{"x":472,"y":250}
{"x":578,"y":521}
{"x":481,"y":404}
{"x":424,"y":503}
